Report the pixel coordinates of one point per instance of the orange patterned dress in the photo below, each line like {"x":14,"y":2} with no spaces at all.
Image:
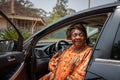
{"x":69,"y":65}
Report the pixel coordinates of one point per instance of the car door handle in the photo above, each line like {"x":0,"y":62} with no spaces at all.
{"x":11,"y":58}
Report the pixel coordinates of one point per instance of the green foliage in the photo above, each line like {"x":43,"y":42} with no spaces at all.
{"x":53,"y":18}
{"x":60,"y":10}
{"x":25,"y":33}
{"x":95,"y":36}
{"x":10,"y":33}
{"x":61,"y":7}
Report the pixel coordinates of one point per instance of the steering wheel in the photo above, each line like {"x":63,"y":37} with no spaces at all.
{"x":61,"y":45}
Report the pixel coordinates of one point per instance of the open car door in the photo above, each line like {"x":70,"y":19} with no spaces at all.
{"x":11,"y":47}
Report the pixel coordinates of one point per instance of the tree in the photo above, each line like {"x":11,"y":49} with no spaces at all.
{"x":70,"y":11}
{"x":26,"y":3}
{"x":60,"y":10}
{"x":43,"y":13}
{"x":52,"y":18}
{"x":61,"y":7}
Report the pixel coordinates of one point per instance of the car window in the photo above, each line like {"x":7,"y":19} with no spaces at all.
{"x":61,"y":35}
{"x":93,"y":38}
{"x":8,"y":35}
{"x":93,"y":26}
{"x":56,"y":35}
{"x":6,"y":45}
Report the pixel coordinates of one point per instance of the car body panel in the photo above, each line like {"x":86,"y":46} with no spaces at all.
{"x":106,"y":68}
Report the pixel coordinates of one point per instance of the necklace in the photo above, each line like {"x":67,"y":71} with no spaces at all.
{"x":79,"y":50}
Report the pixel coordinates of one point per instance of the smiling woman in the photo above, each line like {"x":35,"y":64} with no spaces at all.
{"x":71,"y":64}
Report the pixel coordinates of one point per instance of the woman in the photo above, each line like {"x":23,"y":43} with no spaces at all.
{"x":71,"y":63}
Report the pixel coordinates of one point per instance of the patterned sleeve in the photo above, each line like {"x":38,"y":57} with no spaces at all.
{"x":54,"y":61}
{"x":79,"y":71}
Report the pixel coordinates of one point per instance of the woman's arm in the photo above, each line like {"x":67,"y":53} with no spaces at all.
{"x":54,"y":61}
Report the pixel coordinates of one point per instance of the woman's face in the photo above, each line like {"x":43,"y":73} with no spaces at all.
{"x":78,"y":38}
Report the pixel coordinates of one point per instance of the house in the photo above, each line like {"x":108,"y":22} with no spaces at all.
{"x":21,"y":16}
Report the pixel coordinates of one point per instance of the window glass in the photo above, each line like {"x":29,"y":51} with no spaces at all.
{"x":56,"y":35}
{"x":93,"y":26}
{"x":8,"y":35}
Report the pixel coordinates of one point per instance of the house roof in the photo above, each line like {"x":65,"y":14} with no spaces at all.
{"x":17,"y":9}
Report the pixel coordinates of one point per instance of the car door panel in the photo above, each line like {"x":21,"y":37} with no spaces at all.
{"x":10,"y":62}
{"x":104,"y":69}
{"x":42,"y":60}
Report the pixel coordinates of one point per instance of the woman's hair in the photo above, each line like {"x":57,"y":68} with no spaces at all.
{"x":78,"y":26}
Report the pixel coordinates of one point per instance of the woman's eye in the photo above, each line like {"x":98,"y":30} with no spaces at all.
{"x":80,"y":35}
{"x":74,"y":35}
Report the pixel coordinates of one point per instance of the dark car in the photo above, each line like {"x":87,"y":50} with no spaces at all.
{"x":28,"y":59}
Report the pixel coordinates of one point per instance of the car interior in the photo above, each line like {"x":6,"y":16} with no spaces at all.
{"x":50,"y":44}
